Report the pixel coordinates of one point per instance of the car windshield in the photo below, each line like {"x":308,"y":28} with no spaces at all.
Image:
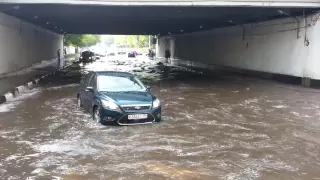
{"x":119,"y":84}
{"x":87,"y":53}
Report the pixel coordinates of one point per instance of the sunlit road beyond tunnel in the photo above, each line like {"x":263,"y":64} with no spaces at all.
{"x":215,"y":126}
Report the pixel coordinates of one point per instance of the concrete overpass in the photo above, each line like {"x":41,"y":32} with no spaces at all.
{"x":193,"y":3}
{"x":279,"y":37}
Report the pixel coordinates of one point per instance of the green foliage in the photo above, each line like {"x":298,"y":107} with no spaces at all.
{"x":123,"y":40}
{"x":143,"y":41}
{"x":90,"y":40}
{"x":133,"y":41}
{"x":81,"y":40}
{"x":73,"y":40}
{"x":109,"y":40}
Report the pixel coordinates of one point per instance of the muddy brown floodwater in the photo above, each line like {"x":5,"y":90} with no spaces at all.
{"x":215,"y":126}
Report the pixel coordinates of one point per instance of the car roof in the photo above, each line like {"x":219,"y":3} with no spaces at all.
{"x":113,"y":73}
{"x":87,"y":51}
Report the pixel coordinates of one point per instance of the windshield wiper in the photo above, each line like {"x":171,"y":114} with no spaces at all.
{"x":111,"y":91}
{"x":122,"y":91}
{"x":133,"y":91}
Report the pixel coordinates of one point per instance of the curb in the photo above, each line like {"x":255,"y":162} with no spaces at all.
{"x":15,"y":92}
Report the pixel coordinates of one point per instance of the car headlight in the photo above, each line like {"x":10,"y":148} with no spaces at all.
{"x":156,"y":103}
{"x":109,"y":105}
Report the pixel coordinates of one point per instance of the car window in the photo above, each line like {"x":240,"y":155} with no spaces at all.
{"x":86,"y":53}
{"x":93,"y":82}
{"x":119,"y":84}
{"x":86,"y":79}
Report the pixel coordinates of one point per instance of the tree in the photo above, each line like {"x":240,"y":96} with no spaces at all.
{"x":133,"y":41}
{"x":143,"y":41}
{"x":73,"y":40}
{"x":109,"y":40}
{"x":120,"y":40}
{"x":82,"y":40}
{"x":90,"y":40}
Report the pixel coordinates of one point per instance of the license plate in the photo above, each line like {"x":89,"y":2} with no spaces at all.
{"x":137,"y":116}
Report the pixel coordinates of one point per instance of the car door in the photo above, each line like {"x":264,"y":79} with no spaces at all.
{"x":84,"y":93}
{"x":82,"y":86}
{"x":89,"y":94}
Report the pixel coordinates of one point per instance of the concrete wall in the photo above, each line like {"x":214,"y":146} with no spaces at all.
{"x":313,"y":65}
{"x":23,"y":44}
{"x":270,"y":46}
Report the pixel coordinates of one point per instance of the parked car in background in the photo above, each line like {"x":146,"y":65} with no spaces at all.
{"x":111,"y":52}
{"x":87,"y":56}
{"x":131,"y":54}
{"x":138,"y":52}
{"x":118,"y":98}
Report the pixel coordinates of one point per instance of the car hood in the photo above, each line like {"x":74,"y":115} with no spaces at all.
{"x":126,"y":98}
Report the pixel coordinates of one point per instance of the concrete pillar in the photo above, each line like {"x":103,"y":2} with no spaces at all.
{"x":157,"y":48}
{"x":172,"y":47}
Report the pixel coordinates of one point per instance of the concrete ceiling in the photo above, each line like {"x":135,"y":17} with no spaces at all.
{"x":207,"y":3}
{"x":104,"y":19}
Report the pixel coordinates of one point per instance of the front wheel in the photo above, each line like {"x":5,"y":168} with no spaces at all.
{"x":96,"y":115}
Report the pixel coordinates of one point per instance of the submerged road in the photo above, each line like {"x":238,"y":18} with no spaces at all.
{"x":216,"y":126}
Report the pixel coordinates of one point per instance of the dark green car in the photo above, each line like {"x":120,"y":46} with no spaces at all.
{"x":118,"y":98}
{"x":87,"y":56}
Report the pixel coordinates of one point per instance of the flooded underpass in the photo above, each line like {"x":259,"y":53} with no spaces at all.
{"x":214,"y":127}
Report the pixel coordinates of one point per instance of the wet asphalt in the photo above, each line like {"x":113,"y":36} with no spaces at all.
{"x":215,"y":126}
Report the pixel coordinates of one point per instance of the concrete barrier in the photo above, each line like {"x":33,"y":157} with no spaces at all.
{"x":8,"y":96}
{"x":22,"y":89}
{"x":2,"y":99}
{"x":28,"y":86}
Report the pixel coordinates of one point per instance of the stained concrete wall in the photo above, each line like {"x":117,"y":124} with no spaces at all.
{"x":271,"y":47}
{"x":166,"y":43}
{"x":313,"y":63}
{"x":23,"y":44}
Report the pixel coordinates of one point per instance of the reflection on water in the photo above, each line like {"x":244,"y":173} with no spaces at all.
{"x":215,"y":127}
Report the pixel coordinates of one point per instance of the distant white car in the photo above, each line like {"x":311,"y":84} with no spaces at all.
{"x":111,"y":52}
{"x":122,"y":51}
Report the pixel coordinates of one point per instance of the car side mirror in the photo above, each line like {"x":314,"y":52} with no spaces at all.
{"x":89,"y":89}
{"x":149,"y":87}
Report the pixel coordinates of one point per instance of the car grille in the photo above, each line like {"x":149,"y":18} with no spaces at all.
{"x":136,"y":108}
{"x":125,"y":121}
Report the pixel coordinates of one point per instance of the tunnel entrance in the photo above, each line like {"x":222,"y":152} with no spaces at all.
{"x":177,"y":27}
{"x":214,"y":124}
